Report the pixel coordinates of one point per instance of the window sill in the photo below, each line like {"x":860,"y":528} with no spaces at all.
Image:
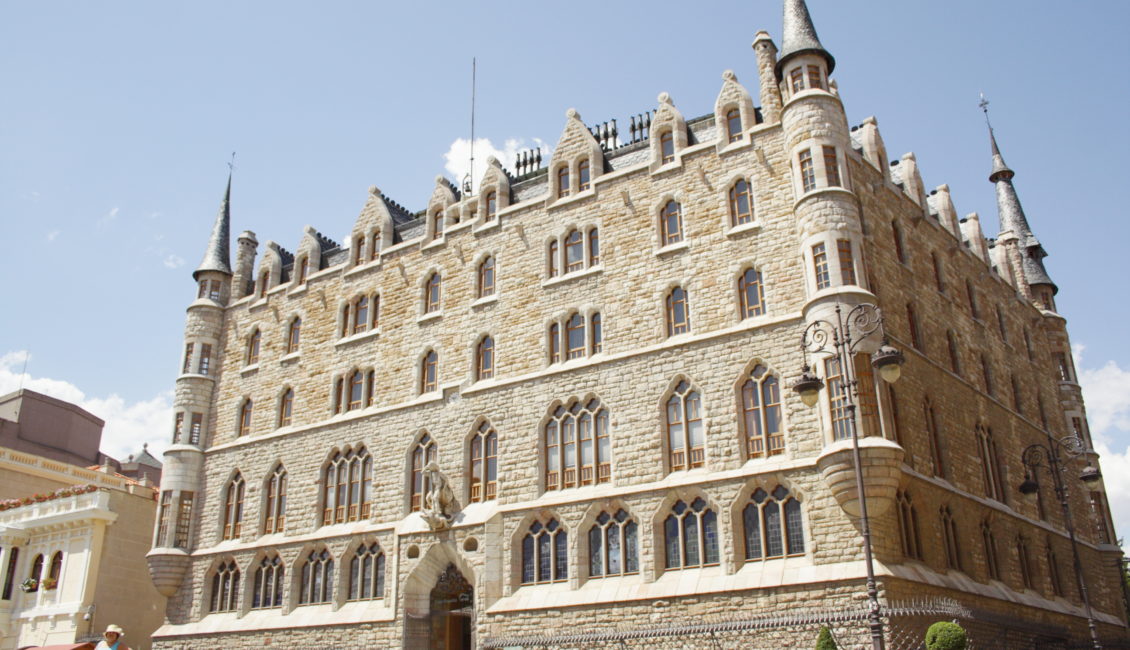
{"x":207,"y":302}
{"x":298,"y":290}
{"x":484,"y":301}
{"x":256,"y":304}
{"x":293,"y":356}
{"x":572,"y":198}
{"x":568,"y":277}
{"x":427,"y":318}
{"x":195,"y":375}
{"x":435,"y":243}
{"x":671,"y":249}
{"x":828,"y":189}
{"x":357,"y":269}
{"x":658,"y":168}
{"x":354,"y":338}
{"x":249,"y":370}
{"x":725,"y":148}
{"x":744,"y":229}
{"x":487,"y":226}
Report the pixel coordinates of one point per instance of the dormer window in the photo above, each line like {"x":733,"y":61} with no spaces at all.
{"x":264,"y":283}
{"x":671,"y":224}
{"x":375,"y":245}
{"x":562,"y":182}
{"x":734,"y":124}
{"x":492,"y":206}
{"x":301,"y":269}
{"x":583,"y":176}
{"x":437,"y":219}
{"x":815,"y":79}
{"x":666,"y":147}
{"x":574,"y":252}
{"x":359,"y":249}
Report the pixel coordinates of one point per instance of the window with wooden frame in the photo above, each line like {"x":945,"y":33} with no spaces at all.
{"x":760,"y":399}
{"x":492,"y":205}
{"x":205,"y":367}
{"x":253,"y":347}
{"x":195,"y":428}
{"x":820,"y":266}
{"x":847,"y":261}
{"x":950,"y":547}
{"x":690,"y":536}
{"x":670,"y":224}
{"x":773,"y":525}
{"x":184,"y":520}
{"x":934,"y":440}
{"x":233,"y":508}
{"x":807,"y":171}
{"x":545,"y":553}
{"x":815,"y":79}
{"x":686,"y":438}
{"x":245,"y":418}
{"x":300,"y":268}
{"x":751,"y":294}
{"x":316,"y":582}
{"x":264,"y":283}
{"x":286,"y":407}
{"x":432,"y":293}
{"x":733,"y":125}
{"x":677,"y":312}
{"x":574,"y":251}
{"x":796,"y":80}
{"x":429,"y":372}
{"x":575,"y":336}
{"x":423,"y":452}
{"x":666,"y":147}
{"x":375,"y":246}
{"x":225,"y":588}
{"x":367,"y":573}
{"x":613,"y":545}
{"x":553,"y":264}
{"x":594,"y":246}
{"x":347,"y":486}
{"x":267,"y":589}
{"x":178,"y":423}
{"x":188,"y":348}
{"x":484,"y":359}
{"x":359,"y":250}
{"x":293,"y":335}
{"x":339,"y":394}
{"x":356,"y":388}
{"x":562,"y":181}
{"x":483,"y":477}
{"x":554,"y":343}
{"x":485,"y":284}
{"x":908,"y":527}
{"x":989,"y":546}
{"x":437,"y":224}
{"x":274,"y":506}
{"x":360,"y":314}
{"x":578,"y":448}
{"x":831,"y":166}
{"x":868,"y":397}
{"x":991,"y":475}
{"x":370,"y":384}
{"x":596,"y":338}
{"x":583,"y":173}
{"x":741,"y":204}
{"x":837,"y":399}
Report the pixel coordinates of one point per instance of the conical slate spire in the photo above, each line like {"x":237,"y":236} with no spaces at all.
{"x":217,"y":257}
{"x":1013,"y":221}
{"x":800,"y":36}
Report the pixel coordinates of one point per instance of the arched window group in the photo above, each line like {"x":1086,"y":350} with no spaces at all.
{"x":761,"y":414}
{"x":483,"y":475}
{"x":686,"y":436}
{"x":575,"y":337}
{"x":773,"y":526}
{"x":690,"y":535}
{"x":361,"y":314}
{"x":317,"y":579}
{"x":267,"y":589}
{"x":347,"y":486}
{"x":367,"y":573}
{"x":545,"y":553}
{"x":578,"y":448}
{"x":578,"y":250}
{"x":423,"y":453}
{"x":613,"y":545}
{"x":354,"y":390}
{"x":225,"y":588}
{"x":233,"y":508}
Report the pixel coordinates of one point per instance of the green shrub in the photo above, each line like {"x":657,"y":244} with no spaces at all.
{"x":825,"y":641}
{"x":945,"y":636}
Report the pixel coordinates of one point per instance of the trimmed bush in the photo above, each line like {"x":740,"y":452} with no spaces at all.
{"x":825,"y":641}
{"x":944,"y":635}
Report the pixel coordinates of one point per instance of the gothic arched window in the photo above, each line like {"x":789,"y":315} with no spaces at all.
{"x":545,"y":554}
{"x":670,"y":224}
{"x":678,"y":312}
{"x":432,"y":293}
{"x":751,"y":293}
{"x":347,"y":486}
{"x":773,"y":526}
{"x":225,"y":588}
{"x":275,"y":502}
{"x":685,"y":435}
{"x":293,"y":335}
{"x":613,"y":545}
{"x":741,"y":203}
{"x":690,"y":535}
{"x":578,"y":449}
{"x":367,"y":573}
{"x":484,"y":463}
{"x":484,"y":359}
{"x":761,"y":414}
{"x":486,"y":277}
{"x":429,"y":372}
{"x":423,"y":453}
{"x":233,"y":507}
{"x":317,"y":580}
{"x":268,"y":586}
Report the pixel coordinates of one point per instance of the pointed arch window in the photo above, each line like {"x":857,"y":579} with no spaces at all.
{"x":949,"y":539}
{"x":734,"y":125}
{"x":423,"y":453}
{"x":360,"y":314}
{"x":991,"y":474}
{"x":358,"y":250}
{"x":492,"y":205}
{"x":253,"y":347}
{"x":989,"y":542}
{"x":908,"y":527}
{"x":367,"y":573}
{"x":934,"y":440}
{"x":583,"y":182}
{"x":545,"y":554}
{"x":741,"y":203}
{"x":773,"y":525}
{"x":553,"y":267}
{"x":268,"y":586}
{"x":317,"y":579}
{"x":347,"y":486}
{"x":594,"y":246}
{"x":233,"y":507}
{"x":486,"y":277}
{"x":690,"y":536}
{"x":574,"y":252}
{"x":678,"y":312}
{"x":356,"y":389}
{"x":432,"y":293}
{"x":575,"y":337}
{"x":666,"y":147}
{"x":286,"y":407}
{"x":293,"y":335}
{"x":437,"y":221}
{"x":761,"y":414}
{"x":563,"y":181}
{"x":685,"y":435}
{"x":36,"y":571}
{"x":274,"y":505}
{"x":484,"y":463}
{"x":245,"y":418}
{"x":671,"y":224}
{"x":955,"y":358}
{"x":429,"y":372}
{"x":613,"y":545}
{"x":302,"y":267}
{"x":484,"y":359}
{"x":578,"y":449}
{"x":225,"y":588}
{"x":55,"y":569}
{"x":751,"y":294}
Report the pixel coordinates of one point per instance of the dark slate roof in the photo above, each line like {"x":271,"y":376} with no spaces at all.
{"x":1012,"y":219}
{"x":217,"y":255}
{"x":800,"y":36}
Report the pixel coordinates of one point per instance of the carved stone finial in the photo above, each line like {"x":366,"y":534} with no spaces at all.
{"x":439,"y":179}
{"x":664,"y":98}
{"x":572,"y":114}
{"x":374,"y":191}
{"x":492,"y":161}
{"x":729,"y":75}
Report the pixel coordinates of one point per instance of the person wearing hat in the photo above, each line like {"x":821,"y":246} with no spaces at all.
{"x":112,"y":639}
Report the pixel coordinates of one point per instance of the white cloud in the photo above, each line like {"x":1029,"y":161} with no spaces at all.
{"x":109,"y":216}
{"x":128,"y":425}
{"x":1107,"y":392}
{"x":173,"y":262}
{"x":457,"y":160}
{"x":52,"y":235}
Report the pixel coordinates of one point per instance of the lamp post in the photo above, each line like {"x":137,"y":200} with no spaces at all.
{"x":840,"y":340}
{"x":1034,"y":457}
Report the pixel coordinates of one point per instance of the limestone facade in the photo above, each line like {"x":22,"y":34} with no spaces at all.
{"x":591,"y":241}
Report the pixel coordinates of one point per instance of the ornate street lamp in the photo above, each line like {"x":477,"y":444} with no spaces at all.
{"x":840,"y":340}
{"x":1034,"y":457}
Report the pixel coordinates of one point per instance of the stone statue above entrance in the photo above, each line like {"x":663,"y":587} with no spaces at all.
{"x":439,"y":501}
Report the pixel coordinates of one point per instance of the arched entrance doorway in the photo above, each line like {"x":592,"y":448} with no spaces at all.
{"x":451,"y":611}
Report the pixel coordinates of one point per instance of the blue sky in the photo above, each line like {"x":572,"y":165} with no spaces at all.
{"x":118,"y":118}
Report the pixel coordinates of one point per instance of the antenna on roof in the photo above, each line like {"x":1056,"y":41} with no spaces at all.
{"x":469,"y":179}
{"x":984,"y":104}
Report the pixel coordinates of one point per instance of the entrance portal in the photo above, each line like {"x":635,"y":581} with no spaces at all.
{"x":452,"y":606}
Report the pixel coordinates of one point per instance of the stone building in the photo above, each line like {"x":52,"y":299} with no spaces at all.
{"x":557,"y":411}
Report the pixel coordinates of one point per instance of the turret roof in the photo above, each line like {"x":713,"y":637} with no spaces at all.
{"x":217,"y":256}
{"x":800,"y":36}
